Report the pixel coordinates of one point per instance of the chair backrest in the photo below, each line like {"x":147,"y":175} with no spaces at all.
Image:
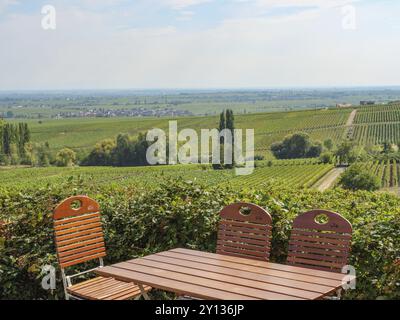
{"x":245,"y":231}
{"x":320,"y":240}
{"x":78,"y":231}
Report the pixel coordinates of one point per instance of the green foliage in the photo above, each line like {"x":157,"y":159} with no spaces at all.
{"x":180,"y":214}
{"x":387,"y":147}
{"x":358,"y":178}
{"x":326,"y":157}
{"x":13,"y":143}
{"x":345,"y":153}
{"x":328,"y":144}
{"x":377,"y":125}
{"x":84,"y":133}
{"x":126,"y":151}
{"x":66,"y":158}
{"x":295,"y":146}
{"x":43,"y":155}
{"x":299,"y":172}
{"x":387,"y":171}
{"x":101,"y":155}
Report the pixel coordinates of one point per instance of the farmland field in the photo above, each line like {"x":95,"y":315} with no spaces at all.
{"x":301,"y":173}
{"x":372,"y":125}
{"x":388,"y":172}
{"x":83,"y":134}
{"x":377,"y":124}
{"x":38,"y":105}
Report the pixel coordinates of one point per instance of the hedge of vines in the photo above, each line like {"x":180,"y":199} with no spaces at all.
{"x":184,"y":214}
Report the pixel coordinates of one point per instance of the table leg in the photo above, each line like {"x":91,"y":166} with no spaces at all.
{"x":144,"y":293}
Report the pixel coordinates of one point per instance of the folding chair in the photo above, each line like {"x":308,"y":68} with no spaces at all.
{"x":320,"y":240}
{"x":245,"y":231}
{"x":79,"y":238}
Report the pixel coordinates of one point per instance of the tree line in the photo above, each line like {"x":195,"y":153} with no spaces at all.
{"x":16,"y":148}
{"x":15,"y":144}
{"x":123,"y":151}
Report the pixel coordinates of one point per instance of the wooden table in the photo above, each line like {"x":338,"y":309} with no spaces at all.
{"x":219,"y":277}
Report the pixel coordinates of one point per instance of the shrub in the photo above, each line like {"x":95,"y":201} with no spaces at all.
{"x":124,"y":151}
{"x":346,"y":153}
{"x":358,"y":178}
{"x":326,"y":157}
{"x":295,"y":146}
{"x":65,"y":158}
{"x":181,"y":214}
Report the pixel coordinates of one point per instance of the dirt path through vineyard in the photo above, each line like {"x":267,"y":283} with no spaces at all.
{"x":329,"y":179}
{"x":352,"y":116}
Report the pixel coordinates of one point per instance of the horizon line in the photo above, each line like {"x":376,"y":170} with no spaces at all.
{"x":255,"y":88}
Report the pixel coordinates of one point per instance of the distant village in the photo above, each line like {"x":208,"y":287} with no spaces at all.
{"x":110,"y":113}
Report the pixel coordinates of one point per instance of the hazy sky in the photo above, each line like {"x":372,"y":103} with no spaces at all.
{"x":199,"y":44}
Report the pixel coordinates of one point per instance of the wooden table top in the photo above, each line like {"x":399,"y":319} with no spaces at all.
{"x":219,"y":277}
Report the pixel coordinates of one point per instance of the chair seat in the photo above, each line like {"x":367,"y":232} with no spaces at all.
{"x":101,"y":288}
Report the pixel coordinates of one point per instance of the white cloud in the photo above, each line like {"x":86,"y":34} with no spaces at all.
{"x":87,"y":51}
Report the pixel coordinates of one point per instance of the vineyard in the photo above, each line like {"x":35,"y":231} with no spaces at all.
{"x":388,"y":172}
{"x":82,"y":134}
{"x":374,"y":114}
{"x":377,"y":124}
{"x":377,"y":133}
{"x":288,"y":172}
{"x":372,"y":125}
{"x":290,"y":175}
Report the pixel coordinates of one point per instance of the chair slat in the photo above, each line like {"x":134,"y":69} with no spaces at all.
{"x":82,"y":260}
{"x":89,"y":226}
{"x":328,"y":234}
{"x":241,"y":245}
{"x":243,"y":227}
{"x":79,"y":218}
{"x":91,"y":232}
{"x":87,"y":248}
{"x":101,"y":288}
{"x":67,"y":225}
{"x":322,"y":239}
{"x":318,"y":250}
{"x":81,"y":254}
{"x":242,"y":235}
{"x":235,"y":238}
{"x":76,"y":240}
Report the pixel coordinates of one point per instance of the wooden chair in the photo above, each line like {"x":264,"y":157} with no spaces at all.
{"x":245,"y":231}
{"x":320,"y":240}
{"x":79,"y":238}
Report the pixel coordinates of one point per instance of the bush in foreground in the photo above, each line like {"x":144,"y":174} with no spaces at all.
{"x":358,"y":178}
{"x":180,"y":214}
